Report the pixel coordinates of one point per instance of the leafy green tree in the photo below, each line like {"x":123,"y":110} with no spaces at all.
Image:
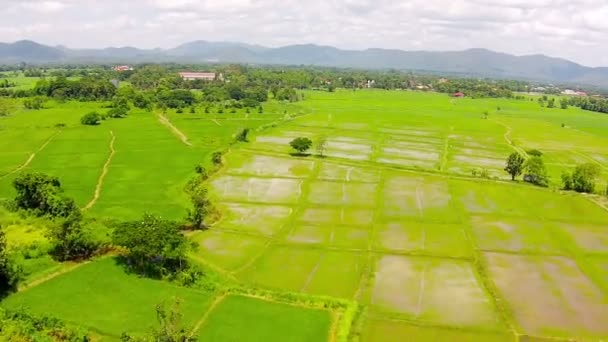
{"x":243,"y":136}
{"x":43,"y":195}
{"x":515,"y":164}
{"x":10,"y":272}
{"x":535,"y":171}
{"x":155,"y":247}
{"x":551,"y":103}
{"x":201,"y":207}
{"x":217,"y":158}
{"x":72,"y":240}
{"x":91,"y":119}
{"x":582,"y":179}
{"x":563,"y":104}
{"x":301,"y":144}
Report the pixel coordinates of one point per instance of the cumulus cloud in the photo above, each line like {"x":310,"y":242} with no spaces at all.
{"x":573,"y":29}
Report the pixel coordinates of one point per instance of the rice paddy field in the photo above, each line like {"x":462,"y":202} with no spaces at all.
{"x":391,"y":220}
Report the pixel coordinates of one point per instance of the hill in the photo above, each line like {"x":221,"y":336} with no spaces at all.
{"x":472,"y":62}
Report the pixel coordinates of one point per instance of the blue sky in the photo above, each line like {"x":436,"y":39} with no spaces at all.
{"x":574,"y":29}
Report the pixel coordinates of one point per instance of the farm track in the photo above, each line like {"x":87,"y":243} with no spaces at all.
{"x":508,"y":139}
{"x":103,"y":174}
{"x":207,"y":313}
{"x":216,"y":122}
{"x":31,"y":157}
{"x":52,"y":276}
{"x":165,"y":122}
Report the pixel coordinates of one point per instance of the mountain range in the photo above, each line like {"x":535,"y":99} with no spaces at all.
{"x":471,"y":62}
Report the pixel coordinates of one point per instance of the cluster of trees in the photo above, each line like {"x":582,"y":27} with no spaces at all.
{"x":594,"y":104}
{"x":533,"y":168}
{"x":545,"y":101}
{"x":476,"y":88}
{"x":583,"y":178}
{"x":303,"y":144}
{"x":88,"y":88}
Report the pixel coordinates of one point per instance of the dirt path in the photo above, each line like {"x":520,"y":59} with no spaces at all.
{"x":51,"y":276}
{"x":421,"y":291}
{"x":104,"y":172}
{"x":165,"y":122}
{"x":31,"y":157}
{"x":507,"y":137}
{"x":312,"y":273}
{"x":216,"y":122}
{"x":201,"y":321}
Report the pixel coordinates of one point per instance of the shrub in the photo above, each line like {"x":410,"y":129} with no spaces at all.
{"x":243,"y":135}
{"x":91,"y":119}
{"x":118,"y":112}
{"x":71,"y":240}
{"x":582,"y":179}
{"x":534,"y":152}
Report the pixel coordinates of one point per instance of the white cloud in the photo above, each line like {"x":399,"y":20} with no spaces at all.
{"x":573,"y":29}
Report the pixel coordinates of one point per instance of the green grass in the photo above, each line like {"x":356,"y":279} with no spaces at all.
{"x":102,"y":297}
{"x":245,"y":319}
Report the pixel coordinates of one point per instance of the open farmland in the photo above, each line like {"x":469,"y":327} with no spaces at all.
{"x":392,"y":220}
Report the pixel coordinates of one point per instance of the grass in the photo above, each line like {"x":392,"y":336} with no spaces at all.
{"x":102,"y":297}
{"x":246,"y":319}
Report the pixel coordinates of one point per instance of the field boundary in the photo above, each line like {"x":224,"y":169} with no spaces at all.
{"x":199,"y":324}
{"x":51,"y":276}
{"x":104,"y":172}
{"x":167,"y":123}
{"x":32,"y":156}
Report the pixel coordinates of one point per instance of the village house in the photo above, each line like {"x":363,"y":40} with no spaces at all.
{"x":206,"y":76}
{"x":121,"y":68}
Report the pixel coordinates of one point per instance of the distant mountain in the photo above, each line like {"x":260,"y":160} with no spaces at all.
{"x":472,"y":62}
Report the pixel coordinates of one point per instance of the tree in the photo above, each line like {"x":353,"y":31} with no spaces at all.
{"x":201,"y":207}
{"x":43,"y":195}
{"x":10,"y":272}
{"x":33,"y":103}
{"x":551,"y":103}
{"x":301,"y":144}
{"x":515,"y":164}
{"x":71,"y":240}
{"x":321,"y":145}
{"x":582,"y":179}
{"x":216,"y":158}
{"x":170,"y":327}
{"x":92,"y":119}
{"x":563,"y":104}
{"x":535,"y":171}
{"x":155,"y":247}
{"x":243,"y":135}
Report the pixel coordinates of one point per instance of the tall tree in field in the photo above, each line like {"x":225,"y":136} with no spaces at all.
{"x":515,"y":164}
{"x":321,"y":145}
{"x":301,"y":144}
{"x":535,"y":171}
{"x":9,"y":271}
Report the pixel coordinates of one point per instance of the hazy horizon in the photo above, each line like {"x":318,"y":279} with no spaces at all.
{"x":574,"y":30}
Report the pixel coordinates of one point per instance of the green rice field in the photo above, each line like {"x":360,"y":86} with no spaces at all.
{"x":394,"y":219}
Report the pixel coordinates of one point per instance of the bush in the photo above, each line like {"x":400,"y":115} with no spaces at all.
{"x":118,"y":112}
{"x":20,"y":326}
{"x":10,"y":271}
{"x":534,"y":152}
{"x":91,"y":119}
